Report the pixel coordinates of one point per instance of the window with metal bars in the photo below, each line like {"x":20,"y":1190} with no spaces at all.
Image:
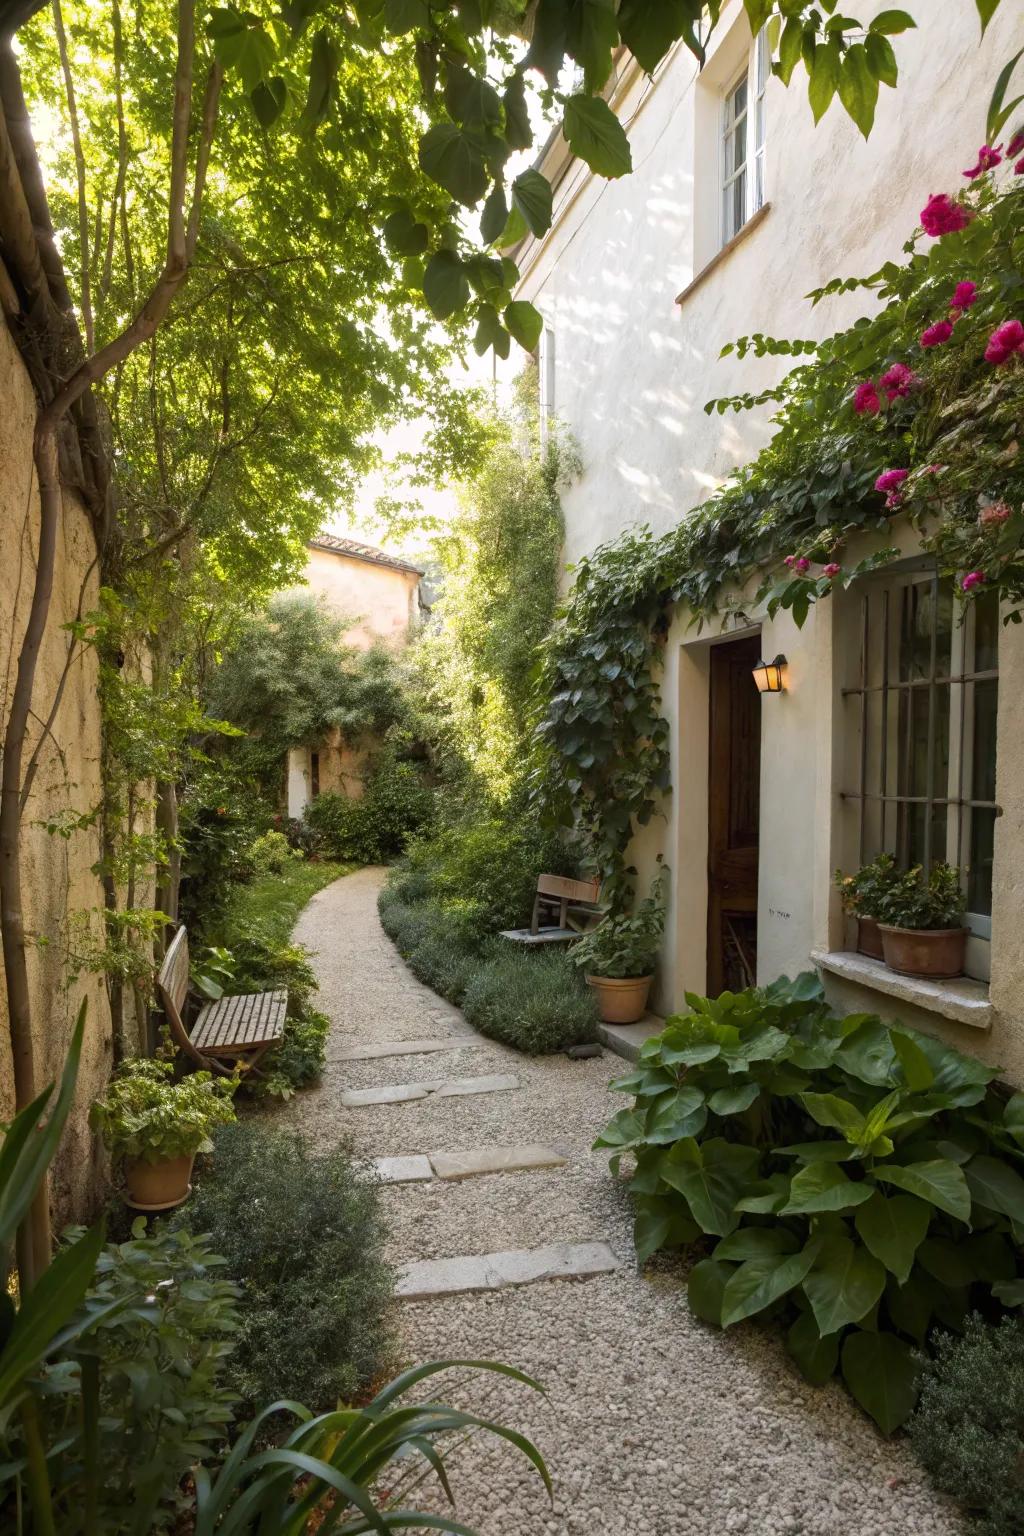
{"x":921,"y":708}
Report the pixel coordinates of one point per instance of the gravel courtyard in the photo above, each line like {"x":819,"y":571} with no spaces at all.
{"x":653,"y":1424}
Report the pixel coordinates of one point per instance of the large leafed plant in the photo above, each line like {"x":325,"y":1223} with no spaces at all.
{"x":859,"y":1180}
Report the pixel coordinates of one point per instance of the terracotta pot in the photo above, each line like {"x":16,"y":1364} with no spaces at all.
{"x":869,"y":940}
{"x":621,"y":1002}
{"x":934,"y":952}
{"x":158,"y":1186}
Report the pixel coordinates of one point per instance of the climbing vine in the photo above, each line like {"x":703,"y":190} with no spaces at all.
{"x":913,"y":411}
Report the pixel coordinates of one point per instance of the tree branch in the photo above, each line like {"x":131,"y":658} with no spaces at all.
{"x":83,"y":206}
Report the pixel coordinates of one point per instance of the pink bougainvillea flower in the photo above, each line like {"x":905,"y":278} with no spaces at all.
{"x":936,"y":334}
{"x":899,"y":380}
{"x":801,"y":564}
{"x":1015,"y":145}
{"x":972,"y":579}
{"x":995,"y":513}
{"x":830,"y":570}
{"x":865,"y":399}
{"x":1005,"y":340}
{"x":964,"y":295}
{"x":988,"y":159}
{"x":1018,"y":169}
{"x":891,"y":479}
{"x":942,"y":216}
{"x":933,"y":469}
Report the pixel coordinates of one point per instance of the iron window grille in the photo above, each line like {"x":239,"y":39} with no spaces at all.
{"x":926,"y":699}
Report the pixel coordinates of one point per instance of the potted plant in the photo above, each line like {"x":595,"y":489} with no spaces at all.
{"x":155,"y":1126}
{"x":863,"y":896}
{"x":618,"y":957}
{"x":922,"y":923}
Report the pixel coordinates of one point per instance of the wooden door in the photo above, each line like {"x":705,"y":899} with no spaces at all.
{"x":734,"y":804}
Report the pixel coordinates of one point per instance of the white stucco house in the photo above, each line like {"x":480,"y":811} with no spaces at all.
{"x":736,"y":208}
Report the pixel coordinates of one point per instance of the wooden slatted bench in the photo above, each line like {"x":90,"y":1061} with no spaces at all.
{"x":230,"y":1033}
{"x":561,"y":910}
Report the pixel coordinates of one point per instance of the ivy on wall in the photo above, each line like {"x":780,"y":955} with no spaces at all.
{"x":914,"y":411}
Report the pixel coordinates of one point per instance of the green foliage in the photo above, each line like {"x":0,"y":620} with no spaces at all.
{"x":864,"y":893}
{"x":862,"y":1180}
{"x":396,"y":805}
{"x":499,"y":561}
{"x":334,"y":1464}
{"x":968,"y":1429}
{"x":290,"y":680}
{"x":439,"y":950}
{"x":951,"y":420}
{"x":533,"y":1002}
{"x":271,"y":854}
{"x":917,"y":900}
{"x":302,"y":1233}
{"x":625,"y":944}
{"x":146,"y":1114}
{"x":157,"y":1326}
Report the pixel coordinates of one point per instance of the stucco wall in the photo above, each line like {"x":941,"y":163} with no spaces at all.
{"x":57,"y":870}
{"x":633,"y":369}
{"x":379,"y":600}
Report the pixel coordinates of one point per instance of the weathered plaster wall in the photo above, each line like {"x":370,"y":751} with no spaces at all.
{"x":379,"y":600}
{"x":57,"y":871}
{"x":633,"y":367}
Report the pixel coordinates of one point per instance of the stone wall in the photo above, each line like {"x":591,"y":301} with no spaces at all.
{"x":61,"y":892}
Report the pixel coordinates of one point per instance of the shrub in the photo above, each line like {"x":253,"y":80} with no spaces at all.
{"x":146,"y":1114}
{"x":625,"y":944}
{"x":534,"y":1002}
{"x":271,"y":854}
{"x":968,"y":1429}
{"x":302,"y":1233}
{"x":855,"y":1175}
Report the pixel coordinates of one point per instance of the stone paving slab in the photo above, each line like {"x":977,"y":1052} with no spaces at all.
{"x":386,"y":1048}
{"x":466,"y":1165}
{"x":403,"y":1170}
{"x":428,"y":1278}
{"x":443,"y":1088}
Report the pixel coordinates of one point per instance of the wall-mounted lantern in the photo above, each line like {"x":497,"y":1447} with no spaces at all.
{"x":770,"y":675}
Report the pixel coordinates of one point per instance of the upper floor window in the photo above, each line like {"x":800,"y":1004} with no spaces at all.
{"x":546,"y":381}
{"x":924,"y":699}
{"x":743,"y":141}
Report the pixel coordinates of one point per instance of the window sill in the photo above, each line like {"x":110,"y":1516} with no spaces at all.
{"x":727,"y":249}
{"x":963,"y":1000}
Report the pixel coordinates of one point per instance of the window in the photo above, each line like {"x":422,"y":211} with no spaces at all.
{"x":546,"y":381}
{"x":743,"y":142}
{"x":314,"y":774}
{"x":923,"y":707}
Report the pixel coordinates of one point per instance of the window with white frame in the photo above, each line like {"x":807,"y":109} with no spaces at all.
{"x":743,"y":141}
{"x":921,"y":707}
{"x":546,"y":381}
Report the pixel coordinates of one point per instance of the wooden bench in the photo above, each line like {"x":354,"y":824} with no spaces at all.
{"x":561,"y":909}
{"x":230,"y":1033}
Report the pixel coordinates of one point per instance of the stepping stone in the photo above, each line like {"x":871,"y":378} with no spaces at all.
{"x":403,"y":1170}
{"x":465,"y":1165}
{"x":405,"y":1093}
{"x":427,"y":1278}
{"x":397,"y":1048}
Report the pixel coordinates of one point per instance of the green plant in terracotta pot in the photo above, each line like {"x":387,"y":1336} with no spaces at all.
{"x":921,"y":923}
{"x":619,"y":955}
{"x":154,"y":1127}
{"x":863,"y":896}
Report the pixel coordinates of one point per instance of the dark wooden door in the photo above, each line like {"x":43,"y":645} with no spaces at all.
{"x":734,"y":807}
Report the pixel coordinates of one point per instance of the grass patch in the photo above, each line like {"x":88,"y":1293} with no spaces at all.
{"x":271,"y":903}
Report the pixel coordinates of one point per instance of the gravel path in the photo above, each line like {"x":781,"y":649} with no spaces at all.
{"x":654,"y":1424}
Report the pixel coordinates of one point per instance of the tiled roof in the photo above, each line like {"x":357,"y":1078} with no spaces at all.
{"x":337,"y":546}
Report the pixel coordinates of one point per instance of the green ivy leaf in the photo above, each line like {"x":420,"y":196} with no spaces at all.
{"x":445,"y":284}
{"x":594,"y":133}
{"x":882,"y":1373}
{"x":531,"y":194}
{"x":525,"y":324}
{"x":649,"y":30}
{"x":454,"y":160}
{"x":404,"y":235}
{"x":491,"y":333}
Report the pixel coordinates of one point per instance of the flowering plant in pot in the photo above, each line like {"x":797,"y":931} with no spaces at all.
{"x":863,"y":897}
{"x":921,"y":922}
{"x":154,"y":1127}
{"x":618,"y":957}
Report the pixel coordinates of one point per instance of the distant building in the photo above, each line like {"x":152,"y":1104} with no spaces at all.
{"x":378,"y":595}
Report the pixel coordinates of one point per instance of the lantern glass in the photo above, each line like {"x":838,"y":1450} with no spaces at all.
{"x":768,"y":675}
